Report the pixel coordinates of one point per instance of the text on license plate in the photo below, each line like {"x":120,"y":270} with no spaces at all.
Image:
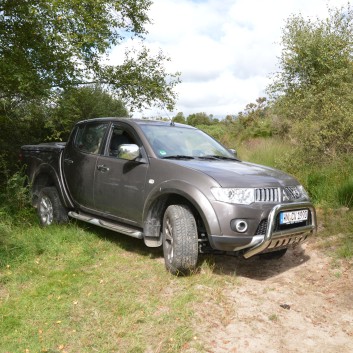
{"x":293,"y":217}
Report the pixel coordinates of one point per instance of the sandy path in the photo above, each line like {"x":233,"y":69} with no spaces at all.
{"x":300,"y":303}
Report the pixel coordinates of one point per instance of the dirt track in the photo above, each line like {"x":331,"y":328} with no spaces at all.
{"x":300,"y":303}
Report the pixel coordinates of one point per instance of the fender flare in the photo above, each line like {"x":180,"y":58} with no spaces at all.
{"x":47,"y":169}
{"x":191,"y":193}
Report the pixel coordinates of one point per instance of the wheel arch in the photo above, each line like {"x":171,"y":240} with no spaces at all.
{"x":177,"y":192}
{"x":45,"y":176}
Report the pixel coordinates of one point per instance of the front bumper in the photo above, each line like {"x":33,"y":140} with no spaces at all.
{"x":274,"y":236}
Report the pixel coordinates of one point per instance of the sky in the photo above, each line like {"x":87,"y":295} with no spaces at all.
{"x":226,"y":50}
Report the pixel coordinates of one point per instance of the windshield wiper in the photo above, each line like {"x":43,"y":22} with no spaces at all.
{"x":178,"y":156}
{"x":219,"y":157}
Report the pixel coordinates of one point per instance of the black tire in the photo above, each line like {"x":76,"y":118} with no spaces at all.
{"x":49,"y":207}
{"x":273,"y":255}
{"x":180,"y":240}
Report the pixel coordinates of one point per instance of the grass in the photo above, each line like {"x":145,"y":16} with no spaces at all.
{"x":336,"y":232}
{"x":345,"y":192}
{"x":330,"y":186}
{"x":263,"y":151}
{"x":78,"y":288}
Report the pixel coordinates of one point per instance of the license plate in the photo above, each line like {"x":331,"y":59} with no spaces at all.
{"x":291,"y":217}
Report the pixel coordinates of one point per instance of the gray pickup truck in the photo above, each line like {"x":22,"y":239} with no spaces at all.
{"x":168,"y":184}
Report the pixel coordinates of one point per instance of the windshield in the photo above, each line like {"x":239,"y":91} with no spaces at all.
{"x":177,"y":141}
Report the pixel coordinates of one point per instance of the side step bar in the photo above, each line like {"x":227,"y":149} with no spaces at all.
{"x":109,"y":225}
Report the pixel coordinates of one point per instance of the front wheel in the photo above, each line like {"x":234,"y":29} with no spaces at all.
{"x":180,"y":240}
{"x":50,"y":209}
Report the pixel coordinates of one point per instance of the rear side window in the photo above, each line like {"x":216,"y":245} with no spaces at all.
{"x":89,"y":137}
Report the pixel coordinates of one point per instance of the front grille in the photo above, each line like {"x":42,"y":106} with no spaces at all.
{"x":262,"y":228}
{"x":267,"y":195}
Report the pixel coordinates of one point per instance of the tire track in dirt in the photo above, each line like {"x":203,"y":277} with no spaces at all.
{"x":300,"y":303}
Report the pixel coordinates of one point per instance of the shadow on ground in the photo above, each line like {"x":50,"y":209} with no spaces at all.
{"x":123,"y":241}
{"x":255,"y":267}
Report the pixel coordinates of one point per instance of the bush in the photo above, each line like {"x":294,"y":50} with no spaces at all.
{"x":329,"y":184}
{"x":312,"y":92}
{"x":318,"y":185}
{"x":15,"y":201}
{"x":345,"y":193}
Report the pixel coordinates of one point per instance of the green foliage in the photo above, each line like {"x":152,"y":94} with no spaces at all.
{"x":50,"y":48}
{"x":313,"y":90}
{"x":15,"y":205}
{"x":314,"y":49}
{"x":179,"y":118}
{"x":270,"y":152}
{"x":345,"y":250}
{"x":77,"y":288}
{"x":23,"y":123}
{"x":59,"y":43}
{"x":337,"y":224}
{"x":35,"y":121}
{"x":329,"y":184}
{"x":220,"y":132}
{"x":345,"y":193}
{"x":199,"y":119}
{"x":76,"y":104}
{"x":17,"y":192}
{"x":255,"y":120}
{"x":141,"y":81}
{"x":318,"y":185}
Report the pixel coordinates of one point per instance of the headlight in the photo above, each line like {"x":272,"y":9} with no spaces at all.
{"x":304,"y":194}
{"x":244,"y":196}
{"x":294,"y":193}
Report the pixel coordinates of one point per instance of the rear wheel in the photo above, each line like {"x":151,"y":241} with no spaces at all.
{"x":50,"y":209}
{"x":180,"y":240}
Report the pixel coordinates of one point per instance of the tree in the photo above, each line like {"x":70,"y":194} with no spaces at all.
{"x":61,"y":43}
{"x":22,"y":123}
{"x":75,"y":104}
{"x":313,"y":89}
{"x":199,"y":119}
{"x":37,"y":121}
{"x":229,"y":119}
{"x":179,"y":118}
{"x":255,"y":120}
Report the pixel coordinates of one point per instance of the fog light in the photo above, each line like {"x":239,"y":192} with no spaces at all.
{"x":240,"y":225}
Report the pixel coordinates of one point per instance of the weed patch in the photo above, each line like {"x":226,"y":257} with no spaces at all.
{"x":77,"y":289}
{"x":345,"y":193}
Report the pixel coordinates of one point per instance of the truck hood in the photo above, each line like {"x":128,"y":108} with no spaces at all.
{"x":240,"y":174}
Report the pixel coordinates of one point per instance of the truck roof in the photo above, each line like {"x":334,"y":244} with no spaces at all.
{"x":136,"y":121}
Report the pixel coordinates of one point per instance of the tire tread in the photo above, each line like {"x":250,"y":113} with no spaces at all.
{"x":185,"y":239}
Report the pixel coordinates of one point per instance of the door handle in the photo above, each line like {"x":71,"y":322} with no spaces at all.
{"x":102,"y":168}
{"x":68,"y":161}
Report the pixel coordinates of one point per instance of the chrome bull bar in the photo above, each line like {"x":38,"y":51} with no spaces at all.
{"x":282,"y":238}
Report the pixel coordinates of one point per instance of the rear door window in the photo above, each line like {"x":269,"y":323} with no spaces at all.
{"x":89,"y":137}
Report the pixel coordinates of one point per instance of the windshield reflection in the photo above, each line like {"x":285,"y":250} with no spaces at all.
{"x":179,"y":141}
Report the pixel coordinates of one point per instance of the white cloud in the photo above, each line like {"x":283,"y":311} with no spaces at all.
{"x":225,"y":50}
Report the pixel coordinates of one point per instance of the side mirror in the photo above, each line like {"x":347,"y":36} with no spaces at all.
{"x":129,"y":152}
{"x":233,"y":152}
